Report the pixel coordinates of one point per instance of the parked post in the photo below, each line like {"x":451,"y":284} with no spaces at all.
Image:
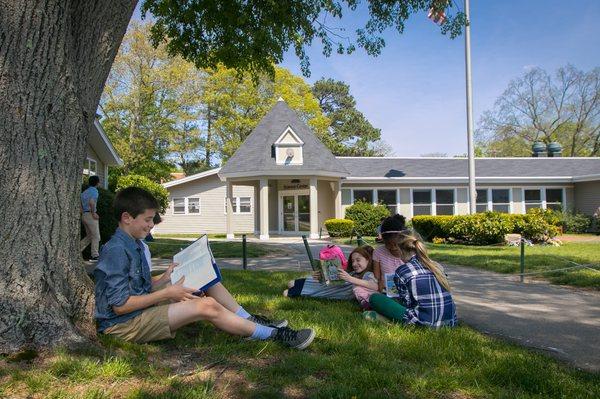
{"x":244,"y":253}
{"x":320,"y":232}
{"x":307,"y":247}
{"x":522,"y":259}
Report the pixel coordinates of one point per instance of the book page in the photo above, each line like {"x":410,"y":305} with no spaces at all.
{"x":195,"y":263}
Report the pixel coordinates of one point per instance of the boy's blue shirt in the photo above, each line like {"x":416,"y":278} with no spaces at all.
{"x":122,"y":271}
{"x":86,"y":195}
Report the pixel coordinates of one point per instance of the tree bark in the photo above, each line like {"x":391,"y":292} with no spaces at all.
{"x":55,"y":56}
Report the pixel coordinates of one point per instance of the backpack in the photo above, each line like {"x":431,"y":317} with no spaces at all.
{"x":333,"y":252}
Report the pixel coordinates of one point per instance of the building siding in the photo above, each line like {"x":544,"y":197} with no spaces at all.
{"x":91,"y":154}
{"x":212,"y":217}
{"x":587,"y":197}
{"x":325,"y":202}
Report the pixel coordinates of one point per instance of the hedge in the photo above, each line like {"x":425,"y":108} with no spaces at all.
{"x":339,"y":227}
{"x":487,"y":228}
{"x":158,"y":191}
{"x":366,"y":216}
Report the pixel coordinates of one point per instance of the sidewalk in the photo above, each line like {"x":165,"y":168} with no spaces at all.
{"x":562,"y":322}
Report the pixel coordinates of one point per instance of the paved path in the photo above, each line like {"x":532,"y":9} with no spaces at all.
{"x":562,"y":322}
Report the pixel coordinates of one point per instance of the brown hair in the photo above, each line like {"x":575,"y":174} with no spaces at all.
{"x":402,"y":244}
{"x":365,"y":251}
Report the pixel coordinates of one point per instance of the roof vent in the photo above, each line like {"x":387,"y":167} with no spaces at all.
{"x":538,"y":149}
{"x":554,"y":150}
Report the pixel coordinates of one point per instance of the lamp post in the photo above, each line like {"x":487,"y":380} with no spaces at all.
{"x":471,"y":149}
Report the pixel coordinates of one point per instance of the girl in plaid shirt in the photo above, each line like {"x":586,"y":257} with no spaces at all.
{"x":424,"y":290}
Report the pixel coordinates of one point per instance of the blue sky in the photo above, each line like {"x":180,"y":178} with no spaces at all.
{"x":415,"y":90}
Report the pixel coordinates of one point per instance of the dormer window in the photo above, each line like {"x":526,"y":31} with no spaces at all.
{"x":288,"y":148}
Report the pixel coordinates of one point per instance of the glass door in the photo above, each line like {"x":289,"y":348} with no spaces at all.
{"x":289,"y":212}
{"x":303,"y":212}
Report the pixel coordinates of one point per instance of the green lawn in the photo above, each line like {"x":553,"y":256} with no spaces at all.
{"x":349,"y":358}
{"x":187,"y":235}
{"x":166,"y":248}
{"x":504,"y":259}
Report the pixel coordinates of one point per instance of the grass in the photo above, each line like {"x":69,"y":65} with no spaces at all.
{"x":349,"y":358}
{"x":187,"y":235}
{"x":166,"y":248}
{"x":539,"y":258}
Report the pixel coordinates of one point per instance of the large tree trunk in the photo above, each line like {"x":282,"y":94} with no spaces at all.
{"x":55,"y":56}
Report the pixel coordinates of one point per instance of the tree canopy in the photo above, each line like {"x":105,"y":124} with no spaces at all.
{"x":564,"y":107}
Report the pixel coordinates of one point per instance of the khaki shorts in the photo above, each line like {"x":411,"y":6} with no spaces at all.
{"x":151,"y":325}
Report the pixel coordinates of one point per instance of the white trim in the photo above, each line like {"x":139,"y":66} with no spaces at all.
{"x":186,"y":206}
{"x":295,"y":194}
{"x":543,"y":200}
{"x":490,"y":201}
{"x":457,"y":179}
{"x":289,"y":129}
{"x":191,"y":178}
{"x":87,"y":171}
{"x":587,"y":178}
{"x":107,"y":142}
{"x":451,"y":158}
{"x":236,"y":205}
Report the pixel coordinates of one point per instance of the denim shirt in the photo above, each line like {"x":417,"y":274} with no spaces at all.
{"x":121,"y":272}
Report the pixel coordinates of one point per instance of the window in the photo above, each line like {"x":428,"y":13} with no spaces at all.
{"x":533,"y":199}
{"x":444,"y":202}
{"x":363,"y":195}
{"x":482,"y":201}
{"x":554,"y":199}
{"x":388,"y":198}
{"x":240,"y":205}
{"x":346,"y":196}
{"x":501,"y":200}
{"x":421,"y":202}
{"x":90,"y":167}
{"x":179,"y":206}
{"x":193,"y":205}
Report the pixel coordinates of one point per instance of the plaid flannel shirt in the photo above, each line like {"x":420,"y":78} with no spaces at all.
{"x":427,"y":302}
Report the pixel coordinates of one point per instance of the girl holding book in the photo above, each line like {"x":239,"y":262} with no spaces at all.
{"x":362,"y":278}
{"x":423,"y":288}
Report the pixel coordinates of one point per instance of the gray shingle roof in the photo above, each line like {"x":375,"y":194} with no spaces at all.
{"x":254,"y":155}
{"x":458,"y":167}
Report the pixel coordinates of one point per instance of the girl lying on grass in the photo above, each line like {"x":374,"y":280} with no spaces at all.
{"x":424,"y":291}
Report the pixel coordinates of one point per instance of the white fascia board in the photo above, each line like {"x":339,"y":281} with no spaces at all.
{"x":587,"y":178}
{"x":458,"y":179}
{"x":191,"y":178}
{"x":279,"y":173}
{"x":290,"y":130}
{"x":107,"y":142}
{"x":450,"y":158}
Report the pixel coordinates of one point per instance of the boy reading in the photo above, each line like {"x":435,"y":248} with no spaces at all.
{"x":130,"y":305}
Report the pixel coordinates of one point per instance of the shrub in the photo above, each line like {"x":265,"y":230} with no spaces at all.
{"x":366,"y":216}
{"x":573,"y":222}
{"x":339,"y":227}
{"x":159,"y":192}
{"x":481,"y":228}
{"x":430,"y":227}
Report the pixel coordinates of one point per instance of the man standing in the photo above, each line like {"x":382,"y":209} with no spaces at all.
{"x":89,"y":200}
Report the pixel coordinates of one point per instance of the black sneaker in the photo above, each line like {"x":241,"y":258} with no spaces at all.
{"x":297,"y":339}
{"x":265,"y":321}
{"x":94,"y":259}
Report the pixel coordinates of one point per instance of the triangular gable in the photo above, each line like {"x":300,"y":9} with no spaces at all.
{"x":289,"y":137}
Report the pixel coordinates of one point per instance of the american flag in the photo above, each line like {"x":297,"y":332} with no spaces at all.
{"x":436,"y":12}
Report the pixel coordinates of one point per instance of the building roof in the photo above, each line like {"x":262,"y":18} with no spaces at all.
{"x":515,"y":169}
{"x":99,"y":141}
{"x":190,"y":178}
{"x":253,"y":157}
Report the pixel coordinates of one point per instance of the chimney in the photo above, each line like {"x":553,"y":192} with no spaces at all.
{"x":554,"y":150}
{"x":538,"y":149}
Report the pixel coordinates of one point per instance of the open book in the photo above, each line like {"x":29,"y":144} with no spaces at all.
{"x":329,"y":270}
{"x":390,"y":287}
{"x":197,"y":264}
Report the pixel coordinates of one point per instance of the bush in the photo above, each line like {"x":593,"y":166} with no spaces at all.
{"x":339,"y":227}
{"x":481,"y":228}
{"x":366,"y":217}
{"x":430,"y":227}
{"x":573,"y":222}
{"x":159,"y":192}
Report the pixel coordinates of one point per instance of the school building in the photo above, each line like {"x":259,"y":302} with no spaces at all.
{"x":284,"y":181}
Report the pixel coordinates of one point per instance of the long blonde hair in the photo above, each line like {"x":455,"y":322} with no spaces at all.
{"x":406,"y":242}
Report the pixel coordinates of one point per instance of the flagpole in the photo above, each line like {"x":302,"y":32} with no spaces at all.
{"x":471,"y":149}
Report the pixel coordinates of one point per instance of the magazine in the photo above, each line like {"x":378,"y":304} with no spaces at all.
{"x":197,"y":264}
{"x":390,"y":287}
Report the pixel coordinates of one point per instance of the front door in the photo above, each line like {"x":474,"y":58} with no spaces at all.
{"x":294,"y":212}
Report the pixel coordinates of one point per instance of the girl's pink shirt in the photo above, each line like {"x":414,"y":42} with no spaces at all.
{"x":389,"y":263}
{"x":362,"y":294}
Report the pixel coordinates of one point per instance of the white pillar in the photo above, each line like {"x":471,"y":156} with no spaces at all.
{"x":314,"y":209}
{"x":228,"y":201}
{"x":338,"y":199}
{"x":264,"y":209}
